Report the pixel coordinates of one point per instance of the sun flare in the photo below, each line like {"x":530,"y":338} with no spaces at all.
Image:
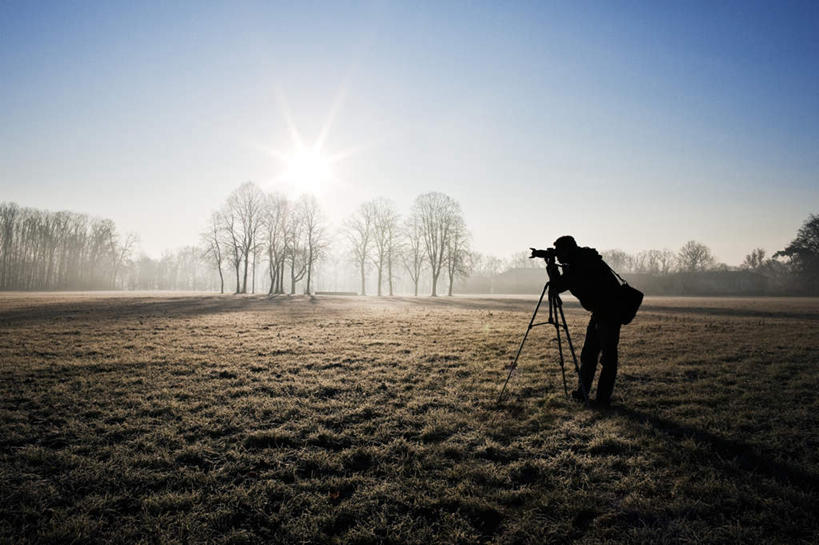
{"x":308,"y":171}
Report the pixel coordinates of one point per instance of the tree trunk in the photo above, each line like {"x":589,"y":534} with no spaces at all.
{"x":389,"y":273}
{"x":50,"y":269}
{"x":416,"y":287}
{"x":309,"y":271}
{"x":434,"y":284}
{"x":281,"y":277}
{"x":253,"y":277}
{"x":449,"y":292}
{"x":244,"y":279}
{"x":238,"y":267}
{"x":363,"y":281}
{"x":380,"y":268}
{"x":270,"y":271}
{"x":221,"y":281}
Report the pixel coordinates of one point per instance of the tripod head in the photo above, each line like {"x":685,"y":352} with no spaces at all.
{"x":550,"y":255}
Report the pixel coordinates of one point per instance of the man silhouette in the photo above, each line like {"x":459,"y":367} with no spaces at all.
{"x":588,"y":278}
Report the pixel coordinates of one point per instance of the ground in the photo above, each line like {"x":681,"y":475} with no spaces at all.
{"x":201,"y":418}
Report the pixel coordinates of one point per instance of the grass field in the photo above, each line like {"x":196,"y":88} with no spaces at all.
{"x":349,"y":420}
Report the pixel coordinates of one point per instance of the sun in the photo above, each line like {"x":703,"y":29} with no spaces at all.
{"x":307,"y":167}
{"x":308,"y":170}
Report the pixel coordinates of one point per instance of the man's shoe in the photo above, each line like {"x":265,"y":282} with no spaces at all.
{"x":601,"y":403}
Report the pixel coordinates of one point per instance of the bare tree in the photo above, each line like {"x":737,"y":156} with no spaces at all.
{"x":437,"y":214}
{"x":618,"y":260}
{"x":246,"y":205}
{"x":8,"y":223}
{"x":653,"y":262}
{"x":385,"y":239}
{"x":186,"y":268}
{"x":667,"y":260}
{"x":120,"y":253}
{"x":647,"y":261}
{"x":315,"y":241}
{"x":102,"y":232}
{"x":392,"y":237}
{"x":412,"y":254}
{"x":485,"y":265}
{"x":231,"y":233}
{"x":754,"y":260}
{"x":76,"y":251}
{"x":275,"y":223}
{"x":295,"y":252}
{"x":211,"y":240}
{"x":457,"y":255}
{"x":359,"y":232}
{"x":694,"y":256}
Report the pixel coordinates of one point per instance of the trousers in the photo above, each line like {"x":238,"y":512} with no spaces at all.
{"x":602,"y":337}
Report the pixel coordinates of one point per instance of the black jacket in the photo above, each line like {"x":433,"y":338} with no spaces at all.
{"x":589,"y":279}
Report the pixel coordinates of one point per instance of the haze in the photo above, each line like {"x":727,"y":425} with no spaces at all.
{"x":629,"y":128}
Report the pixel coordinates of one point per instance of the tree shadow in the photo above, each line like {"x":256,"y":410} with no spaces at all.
{"x":146,"y":308}
{"x":741,"y":455}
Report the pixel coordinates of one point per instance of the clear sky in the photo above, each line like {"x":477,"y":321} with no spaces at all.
{"x":631,"y":125}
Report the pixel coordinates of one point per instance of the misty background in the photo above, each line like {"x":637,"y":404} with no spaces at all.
{"x":258,"y":242}
{"x":635,"y":130}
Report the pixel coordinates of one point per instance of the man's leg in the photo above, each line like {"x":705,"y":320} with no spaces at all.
{"x":589,"y":354}
{"x":609,"y":336}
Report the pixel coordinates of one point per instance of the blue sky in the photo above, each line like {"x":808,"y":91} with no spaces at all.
{"x":630,"y":125}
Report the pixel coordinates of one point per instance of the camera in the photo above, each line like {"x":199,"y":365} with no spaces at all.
{"x":548,"y":254}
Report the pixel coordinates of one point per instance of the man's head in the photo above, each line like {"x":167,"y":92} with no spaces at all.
{"x":565,"y":248}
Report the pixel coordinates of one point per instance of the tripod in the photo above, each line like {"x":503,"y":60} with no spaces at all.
{"x":555,"y":308}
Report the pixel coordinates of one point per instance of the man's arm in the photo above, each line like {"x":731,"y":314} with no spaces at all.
{"x":557,"y":282}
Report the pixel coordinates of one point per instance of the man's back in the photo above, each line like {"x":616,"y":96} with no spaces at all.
{"x":589,"y":279}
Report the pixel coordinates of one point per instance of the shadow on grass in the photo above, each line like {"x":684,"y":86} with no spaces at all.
{"x":146,"y":308}
{"x":189,"y":306}
{"x":741,"y":455}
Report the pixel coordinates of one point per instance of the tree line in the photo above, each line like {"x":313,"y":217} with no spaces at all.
{"x":693,"y":256}
{"x":182,"y":269}
{"x":288,"y":239}
{"x":259,"y":241}
{"x":794,"y":269}
{"x":44,"y":250}
{"x":40,"y":249}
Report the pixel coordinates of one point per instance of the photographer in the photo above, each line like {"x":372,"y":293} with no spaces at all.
{"x":588,"y":278}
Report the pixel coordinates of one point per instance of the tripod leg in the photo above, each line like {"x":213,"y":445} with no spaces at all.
{"x":522,"y":342}
{"x":562,"y":363}
{"x":571,"y":349}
